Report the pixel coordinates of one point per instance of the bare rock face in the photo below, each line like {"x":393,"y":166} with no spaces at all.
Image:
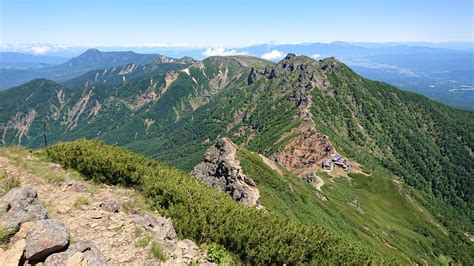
{"x":83,"y":251}
{"x":220,"y":169}
{"x":20,"y":205}
{"x":44,"y":238}
{"x":304,"y":153}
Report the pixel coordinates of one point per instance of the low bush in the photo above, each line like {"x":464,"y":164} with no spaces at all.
{"x":217,"y":254}
{"x":80,"y":201}
{"x":157,"y":251}
{"x":6,"y":234}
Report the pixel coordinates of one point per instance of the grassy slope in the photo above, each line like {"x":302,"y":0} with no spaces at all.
{"x":389,"y":212}
{"x":426,"y":143}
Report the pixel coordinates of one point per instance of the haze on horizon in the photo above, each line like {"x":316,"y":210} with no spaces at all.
{"x":232,"y":23}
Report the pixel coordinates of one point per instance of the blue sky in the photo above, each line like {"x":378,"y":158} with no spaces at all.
{"x":232,"y":23}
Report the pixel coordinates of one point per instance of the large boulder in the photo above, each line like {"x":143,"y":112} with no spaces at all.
{"x":83,"y":251}
{"x":161,"y":227}
{"x":20,"y":205}
{"x":220,"y":169}
{"x":44,"y":238}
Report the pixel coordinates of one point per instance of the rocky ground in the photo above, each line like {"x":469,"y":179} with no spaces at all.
{"x":65,"y":220}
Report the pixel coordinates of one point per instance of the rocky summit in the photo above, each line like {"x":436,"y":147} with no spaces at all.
{"x":220,"y":169}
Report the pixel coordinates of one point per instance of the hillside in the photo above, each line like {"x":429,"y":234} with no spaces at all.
{"x":423,"y":142}
{"x":407,"y":191}
{"x":383,"y":214}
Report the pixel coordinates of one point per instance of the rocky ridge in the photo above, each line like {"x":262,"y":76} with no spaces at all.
{"x":220,"y":169}
{"x":72,"y":222}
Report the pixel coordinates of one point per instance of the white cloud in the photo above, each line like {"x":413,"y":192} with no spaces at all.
{"x":273,"y":55}
{"x":316,"y":56}
{"x":38,"y":50}
{"x":221,"y":51}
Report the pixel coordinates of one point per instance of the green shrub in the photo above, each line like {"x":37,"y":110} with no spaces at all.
{"x":5,"y":234}
{"x":216,"y":253}
{"x":80,"y":201}
{"x":144,"y":241}
{"x":157,"y":251}
{"x":206,"y":215}
{"x":138,"y":231}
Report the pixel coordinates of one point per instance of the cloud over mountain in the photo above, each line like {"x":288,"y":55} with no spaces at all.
{"x":221,"y":51}
{"x":273,"y":55}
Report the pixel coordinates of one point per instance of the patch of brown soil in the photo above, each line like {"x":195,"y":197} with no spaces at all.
{"x":304,"y":154}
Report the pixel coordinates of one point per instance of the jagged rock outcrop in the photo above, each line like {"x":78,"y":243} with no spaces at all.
{"x":220,"y":169}
{"x":20,"y":205}
{"x":304,"y":153}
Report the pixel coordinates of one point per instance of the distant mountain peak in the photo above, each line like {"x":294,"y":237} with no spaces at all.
{"x":92,"y":51}
{"x":186,"y":60}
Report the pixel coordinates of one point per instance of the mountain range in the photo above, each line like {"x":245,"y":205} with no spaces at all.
{"x":91,"y":59}
{"x":324,"y":146}
{"x":441,"y":71}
